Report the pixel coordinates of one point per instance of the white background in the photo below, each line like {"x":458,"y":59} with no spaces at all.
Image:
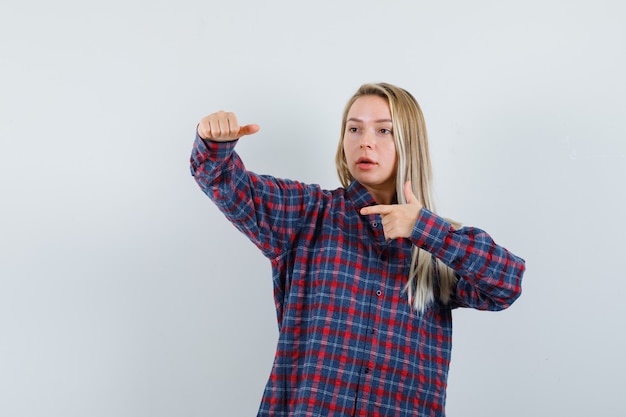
{"x":124,"y":292}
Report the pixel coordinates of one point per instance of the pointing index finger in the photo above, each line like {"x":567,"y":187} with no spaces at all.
{"x":379,"y":209}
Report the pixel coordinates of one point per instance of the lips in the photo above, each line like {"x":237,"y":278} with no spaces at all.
{"x":365,"y":162}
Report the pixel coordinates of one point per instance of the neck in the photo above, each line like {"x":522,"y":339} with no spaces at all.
{"x":382,"y":196}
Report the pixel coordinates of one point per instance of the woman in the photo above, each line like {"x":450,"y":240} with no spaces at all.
{"x":366,"y":275}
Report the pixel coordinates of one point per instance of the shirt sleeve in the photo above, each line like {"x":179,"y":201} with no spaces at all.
{"x":489,"y":275}
{"x":269,"y":211}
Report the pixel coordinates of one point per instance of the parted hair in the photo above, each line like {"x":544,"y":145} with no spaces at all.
{"x":428,"y":276}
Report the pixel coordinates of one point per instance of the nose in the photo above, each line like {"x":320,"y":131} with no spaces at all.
{"x":367,"y":141}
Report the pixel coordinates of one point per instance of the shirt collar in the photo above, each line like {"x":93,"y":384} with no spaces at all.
{"x":358,"y":195}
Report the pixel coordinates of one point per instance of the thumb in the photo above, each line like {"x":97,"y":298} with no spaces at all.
{"x":408,"y":193}
{"x":248,"y":129}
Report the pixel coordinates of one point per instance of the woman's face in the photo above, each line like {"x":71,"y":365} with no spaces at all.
{"x":370,"y":148}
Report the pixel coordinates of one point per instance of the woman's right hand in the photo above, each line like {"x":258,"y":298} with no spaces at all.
{"x":223,"y":127}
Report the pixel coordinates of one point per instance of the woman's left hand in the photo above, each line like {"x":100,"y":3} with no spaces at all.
{"x":398,"y":219}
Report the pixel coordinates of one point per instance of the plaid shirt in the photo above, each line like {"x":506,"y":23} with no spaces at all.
{"x":349,"y":343}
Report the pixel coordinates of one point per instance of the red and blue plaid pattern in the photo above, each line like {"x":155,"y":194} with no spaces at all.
{"x":349,"y":342}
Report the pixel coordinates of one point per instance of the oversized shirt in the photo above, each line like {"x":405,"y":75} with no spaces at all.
{"x":349,"y":342}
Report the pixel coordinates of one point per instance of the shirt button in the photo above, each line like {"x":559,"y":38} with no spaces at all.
{"x":379,"y":293}
{"x":374,"y":225}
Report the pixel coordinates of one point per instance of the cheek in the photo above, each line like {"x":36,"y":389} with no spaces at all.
{"x":348,"y":156}
{"x":390,"y":155}
{"x":347,"y":150}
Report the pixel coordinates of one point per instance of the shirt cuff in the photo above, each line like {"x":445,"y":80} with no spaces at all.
{"x":207,"y":150}
{"x":430,"y":231}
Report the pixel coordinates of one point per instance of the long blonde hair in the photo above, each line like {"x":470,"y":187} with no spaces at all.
{"x":413,"y":158}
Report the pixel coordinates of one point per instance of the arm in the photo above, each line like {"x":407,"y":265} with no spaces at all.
{"x":267,"y":210}
{"x":489,"y":275}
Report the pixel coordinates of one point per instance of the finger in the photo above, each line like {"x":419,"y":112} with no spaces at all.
{"x":203,"y":132}
{"x":379,"y":209}
{"x":391,"y":231}
{"x":204,"y":127}
{"x":408,"y":193}
{"x":221,"y":127}
{"x":249,"y":129}
{"x":213,"y":128}
{"x":232,"y":127}
{"x":388,"y":233}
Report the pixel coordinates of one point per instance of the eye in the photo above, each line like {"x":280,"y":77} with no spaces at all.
{"x":352,"y":129}
{"x":385,"y":131}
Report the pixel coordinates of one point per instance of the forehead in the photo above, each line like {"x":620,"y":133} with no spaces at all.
{"x":369,"y":108}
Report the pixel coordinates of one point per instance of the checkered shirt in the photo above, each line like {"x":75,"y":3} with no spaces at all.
{"x":349,"y":343}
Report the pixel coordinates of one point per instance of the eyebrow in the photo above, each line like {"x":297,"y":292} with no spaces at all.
{"x":354,"y":119}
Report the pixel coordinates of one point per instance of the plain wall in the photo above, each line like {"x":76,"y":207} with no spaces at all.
{"x":124,"y":292}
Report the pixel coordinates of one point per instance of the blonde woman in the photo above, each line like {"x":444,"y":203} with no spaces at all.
{"x":365,"y":276}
